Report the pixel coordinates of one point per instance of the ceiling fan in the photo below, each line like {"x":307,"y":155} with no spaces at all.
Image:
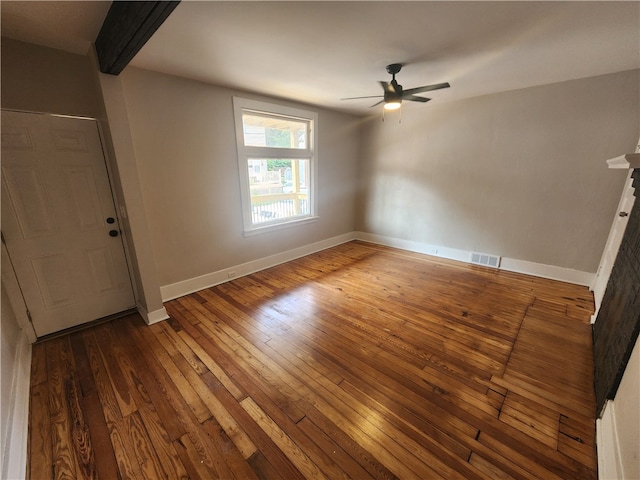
{"x":394,"y":93}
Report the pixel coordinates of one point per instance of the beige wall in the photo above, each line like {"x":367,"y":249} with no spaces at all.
{"x":40,"y":79}
{"x":184,"y":141}
{"x":520,"y":174}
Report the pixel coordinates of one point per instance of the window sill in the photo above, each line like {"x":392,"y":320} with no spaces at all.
{"x":279,"y":226}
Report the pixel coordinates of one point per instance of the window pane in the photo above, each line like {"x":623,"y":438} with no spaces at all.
{"x":262,"y":131}
{"x":279,"y":189}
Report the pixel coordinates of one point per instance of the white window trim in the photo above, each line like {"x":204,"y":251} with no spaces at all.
{"x":244,"y":153}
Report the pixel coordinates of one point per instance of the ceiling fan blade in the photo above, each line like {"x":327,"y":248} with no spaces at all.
{"x":376,"y":104}
{"x":387,"y":87}
{"x":427,"y":88}
{"x":357,"y":98}
{"x":414,"y":98}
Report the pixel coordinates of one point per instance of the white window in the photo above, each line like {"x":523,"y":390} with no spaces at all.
{"x":277,"y":163}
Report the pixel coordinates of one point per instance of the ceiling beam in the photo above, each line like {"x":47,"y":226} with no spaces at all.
{"x":126,"y":28}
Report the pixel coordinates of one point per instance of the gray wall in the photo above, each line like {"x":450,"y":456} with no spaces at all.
{"x":185,"y":146}
{"x":520,"y":174}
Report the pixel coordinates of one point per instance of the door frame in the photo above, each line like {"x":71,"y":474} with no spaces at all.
{"x":9,"y":278}
{"x":14,"y":293}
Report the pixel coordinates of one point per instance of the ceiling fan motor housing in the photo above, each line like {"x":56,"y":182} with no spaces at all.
{"x":394,"y":68}
{"x":394,"y":93}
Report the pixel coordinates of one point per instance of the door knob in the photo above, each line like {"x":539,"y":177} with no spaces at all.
{"x":113,"y":233}
{"x":111,"y":220}
{"x":623,"y":214}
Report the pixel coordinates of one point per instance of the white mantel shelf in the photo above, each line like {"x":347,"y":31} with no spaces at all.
{"x":630,"y":160}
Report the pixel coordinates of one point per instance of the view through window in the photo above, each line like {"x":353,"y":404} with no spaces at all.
{"x":276,"y":161}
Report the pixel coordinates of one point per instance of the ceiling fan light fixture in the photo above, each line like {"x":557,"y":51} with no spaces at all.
{"x":392,"y":105}
{"x":393,"y":93}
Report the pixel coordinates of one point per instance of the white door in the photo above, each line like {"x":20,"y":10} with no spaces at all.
{"x":613,"y":243}
{"x":59,"y":221}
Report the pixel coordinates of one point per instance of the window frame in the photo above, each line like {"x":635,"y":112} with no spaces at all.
{"x":245,"y":153}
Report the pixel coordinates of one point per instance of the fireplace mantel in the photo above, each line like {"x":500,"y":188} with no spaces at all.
{"x":627,"y":161}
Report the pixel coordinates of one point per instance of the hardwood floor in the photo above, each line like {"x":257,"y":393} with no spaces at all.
{"x":359,"y":362}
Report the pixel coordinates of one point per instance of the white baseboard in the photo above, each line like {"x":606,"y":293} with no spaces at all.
{"x":152,"y":317}
{"x":607,"y":445}
{"x":547,"y":271}
{"x":14,"y":451}
{"x":510,"y":264}
{"x":418,"y":247}
{"x":185,"y":287}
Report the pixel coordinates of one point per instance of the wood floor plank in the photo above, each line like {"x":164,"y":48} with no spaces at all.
{"x":488,"y":468}
{"x":360,"y":361}
{"x":443,"y":455}
{"x":176,"y":346}
{"x":233,"y":457}
{"x":346,"y":464}
{"x":272,"y":455}
{"x":267,"y":449}
{"x":194,"y":459}
{"x":40,"y":450}
{"x":533,"y":469}
{"x":188,"y":394}
{"x":435,"y":460}
{"x":123,"y":393}
{"x":262,"y":468}
{"x":38,"y":364}
{"x":534,"y":420}
{"x":104,"y":456}
{"x":163,"y":391}
{"x":581,"y":452}
{"x":199,"y":344}
{"x":59,"y":363}
{"x":145,"y":453}
{"x":153,"y":391}
{"x":217,"y":410}
{"x":269,"y":375}
{"x":80,"y":436}
{"x":282,"y":440}
{"x":364,"y":457}
{"x":118,"y":428}
{"x":162,"y":445}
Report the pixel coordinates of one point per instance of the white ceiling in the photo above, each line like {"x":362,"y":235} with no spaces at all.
{"x":320,"y":52}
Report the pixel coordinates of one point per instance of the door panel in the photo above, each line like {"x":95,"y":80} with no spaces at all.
{"x":56,"y":198}
{"x":49,"y":270}
{"x":26,"y":192}
{"x":84,"y":197}
{"x":99,"y":264}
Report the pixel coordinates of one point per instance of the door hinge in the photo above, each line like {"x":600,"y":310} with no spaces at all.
{"x":2,"y":237}
{"x":29,"y":316}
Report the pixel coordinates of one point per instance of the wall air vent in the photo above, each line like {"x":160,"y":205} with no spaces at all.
{"x":485,"y":259}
